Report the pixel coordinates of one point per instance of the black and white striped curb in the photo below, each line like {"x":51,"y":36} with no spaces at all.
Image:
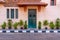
{"x":29,"y":31}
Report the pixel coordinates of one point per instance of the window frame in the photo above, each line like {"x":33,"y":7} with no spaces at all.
{"x":54,"y":4}
{"x":9,"y":14}
{"x":16,"y":13}
{"x":12,"y":13}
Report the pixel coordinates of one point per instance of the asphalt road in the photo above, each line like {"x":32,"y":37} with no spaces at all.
{"x":29,"y":36}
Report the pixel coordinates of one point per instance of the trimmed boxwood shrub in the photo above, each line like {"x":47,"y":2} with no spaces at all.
{"x":51,"y":25}
{"x":15,"y":25}
{"x":10,"y":24}
{"x":57,"y":23}
{"x":25,"y":25}
{"x":21,"y":24}
{"x":45,"y":23}
{"x":39,"y":25}
{"x":4,"y":25}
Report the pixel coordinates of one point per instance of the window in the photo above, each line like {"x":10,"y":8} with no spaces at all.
{"x":7,"y":13}
{"x":16,"y":13}
{"x":12,"y":14}
{"x":53,"y":2}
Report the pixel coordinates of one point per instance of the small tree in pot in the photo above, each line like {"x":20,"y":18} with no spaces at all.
{"x":39,"y":25}
{"x":25,"y":25}
{"x":4,"y":25}
{"x":15,"y":25}
{"x":51,"y":25}
{"x":57,"y":23}
{"x":21,"y":24}
{"x":10,"y":24}
{"x":45,"y":23}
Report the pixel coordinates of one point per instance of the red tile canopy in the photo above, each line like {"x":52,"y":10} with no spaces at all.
{"x":39,"y":4}
{"x":2,"y":2}
{"x":32,"y":4}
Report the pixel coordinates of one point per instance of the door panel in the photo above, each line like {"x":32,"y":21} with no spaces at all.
{"x":31,"y":18}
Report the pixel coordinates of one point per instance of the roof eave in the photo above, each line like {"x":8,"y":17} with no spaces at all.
{"x":2,"y":2}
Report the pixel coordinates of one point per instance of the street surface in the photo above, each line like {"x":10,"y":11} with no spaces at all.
{"x":29,"y":36}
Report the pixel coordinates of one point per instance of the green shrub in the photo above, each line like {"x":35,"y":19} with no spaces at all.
{"x":25,"y":25}
{"x":39,"y":25}
{"x":51,"y":25}
{"x":45,"y":23}
{"x":57,"y":19}
{"x":21,"y":23}
{"x":4,"y":25}
{"x":9,"y":24}
{"x":15,"y":25}
{"x":57,"y":24}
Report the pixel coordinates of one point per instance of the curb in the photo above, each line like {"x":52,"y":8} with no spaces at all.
{"x":29,"y":31}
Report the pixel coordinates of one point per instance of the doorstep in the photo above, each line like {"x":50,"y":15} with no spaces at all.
{"x":29,"y":31}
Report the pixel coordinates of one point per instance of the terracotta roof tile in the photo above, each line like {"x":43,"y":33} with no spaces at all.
{"x":22,"y":1}
{"x":32,"y":3}
{"x":2,"y":1}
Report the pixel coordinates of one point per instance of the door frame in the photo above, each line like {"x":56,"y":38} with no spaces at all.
{"x":36,"y":18}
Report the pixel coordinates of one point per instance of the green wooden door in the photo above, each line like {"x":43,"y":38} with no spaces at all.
{"x":31,"y":18}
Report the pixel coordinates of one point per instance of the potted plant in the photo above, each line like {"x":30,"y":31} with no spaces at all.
{"x":45,"y":23}
{"x":51,"y":25}
{"x":4,"y":25}
{"x":57,"y":23}
{"x":21,"y":24}
{"x":39,"y":25}
{"x":9,"y":24}
{"x":15,"y":25}
{"x":25,"y":25}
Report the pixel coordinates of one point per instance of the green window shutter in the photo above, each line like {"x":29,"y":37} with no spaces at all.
{"x":16,"y":13}
{"x":12,"y":13}
{"x":7,"y":13}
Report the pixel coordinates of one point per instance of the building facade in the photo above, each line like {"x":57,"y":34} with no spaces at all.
{"x":31,"y":11}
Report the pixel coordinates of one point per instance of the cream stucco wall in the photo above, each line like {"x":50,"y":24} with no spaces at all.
{"x":50,"y":13}
{"x":2,"y":13}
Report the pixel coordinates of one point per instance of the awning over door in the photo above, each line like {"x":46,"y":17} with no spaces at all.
{"x":32,"y":4}
{"x":2,"y":2}
{"x":26,"y":3}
